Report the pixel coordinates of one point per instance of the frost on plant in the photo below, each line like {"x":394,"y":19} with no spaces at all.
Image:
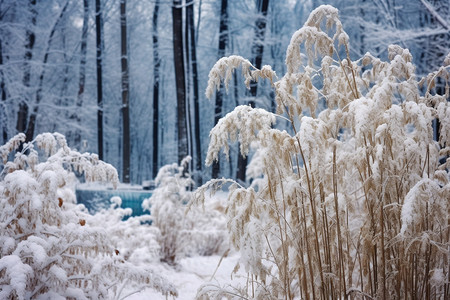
{"x":353,"y":199}
{"x":134,"y":237}
{"x":48,"y":246}
{"x":183,"y":233}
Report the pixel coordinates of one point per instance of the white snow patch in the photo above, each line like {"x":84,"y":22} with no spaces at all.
{"x":191,"y":273}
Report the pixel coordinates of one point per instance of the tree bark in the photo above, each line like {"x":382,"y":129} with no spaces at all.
{"x":82,"y":76}
{"x":223,"y":41}
{"x":198,"y":162}
{"x":257,"y":53}
{"x":177,"y":26}
{"x":188,"y":77}
{"x":125,"y":95}
{"x":63,"y":92}
{"x":199,"y":18}
{"x":30,"y":39}
{"x":99,"y":60}
{"x":3,"y":115}
{"x":258,"y":43}
{"x":156,"y":65}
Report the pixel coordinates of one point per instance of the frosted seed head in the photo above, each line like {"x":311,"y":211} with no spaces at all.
{"x":447,"y":60}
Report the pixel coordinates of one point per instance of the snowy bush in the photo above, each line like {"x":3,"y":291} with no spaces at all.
{"x":183,"y":233}
{"x":48,"y":248}
{"x":134,"y":237}
{"x":353,"y":199}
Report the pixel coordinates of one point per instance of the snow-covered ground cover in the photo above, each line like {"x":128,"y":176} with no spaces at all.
{"x":201,"y":258}
{"x":191,"y":273}
{"x":51,"y":247}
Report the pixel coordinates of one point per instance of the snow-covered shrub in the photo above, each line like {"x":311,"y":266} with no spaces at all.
{"x":353,"y":199}
{"x":183,"y":233}
{"x":207,"y":230}
{"x":48,"y":248}
{"x":167,"y":207}
{"x":134,"y":237}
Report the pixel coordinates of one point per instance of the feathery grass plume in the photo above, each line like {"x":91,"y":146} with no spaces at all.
{"x":48,"y":246}
{"x":224,"y":68}
{"x":355,"y":203}
{"x":241,"y":124}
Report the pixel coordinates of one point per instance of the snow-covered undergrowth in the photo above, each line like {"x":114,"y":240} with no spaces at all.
{"x":50,"y":248}
{"x":192,"y":272}
{"x":184,"y":233}
{"x":353,"y":199}
{"x":133,"y":237}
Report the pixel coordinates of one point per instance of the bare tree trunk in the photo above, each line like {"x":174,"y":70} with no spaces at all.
{"x":257,"y":53}
{"x":99,"y":60}
{"x":3,"y":115}
{"x":63,"y":99}
{"x":188,"y":78}
{"x":82,"y":76}
{"x":197,"y":135}
{"x":199,"y":18}
{"x":32,"y":121}
{"x":125,"y":95}
{"x":177,"y":25}
{"x":30,"y":39}
{"x":191,"y":52}
{"x":223,"y":41}
{"x":156,"y":65}
{"x":258,"y":43}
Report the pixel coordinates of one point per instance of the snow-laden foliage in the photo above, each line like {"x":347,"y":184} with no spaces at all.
{"x":181,"y":232}
{"x":224,"y":68}
{"x":48,"y":246}
{"x":243,"y":117}
{"x":134,"y":237}
{"x":353,"y":199}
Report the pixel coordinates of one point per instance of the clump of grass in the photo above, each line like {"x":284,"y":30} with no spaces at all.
{"x":353,"y":200}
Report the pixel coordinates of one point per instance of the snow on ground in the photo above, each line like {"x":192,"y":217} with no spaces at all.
{"x":191,"y":273}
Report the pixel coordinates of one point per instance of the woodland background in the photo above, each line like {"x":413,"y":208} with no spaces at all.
{"x":126,"y":79}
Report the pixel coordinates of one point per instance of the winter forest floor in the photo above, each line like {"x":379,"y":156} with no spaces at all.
{"x":191,"y":273}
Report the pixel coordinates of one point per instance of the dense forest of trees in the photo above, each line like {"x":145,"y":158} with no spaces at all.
{"x":128,"y":83}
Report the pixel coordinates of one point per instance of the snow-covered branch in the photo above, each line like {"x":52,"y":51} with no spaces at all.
{"x":435,"y":14}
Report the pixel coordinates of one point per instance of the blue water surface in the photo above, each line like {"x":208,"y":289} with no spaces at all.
{"x":96,"y":200}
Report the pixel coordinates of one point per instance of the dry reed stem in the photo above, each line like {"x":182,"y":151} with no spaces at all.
{"x":361,"y":180}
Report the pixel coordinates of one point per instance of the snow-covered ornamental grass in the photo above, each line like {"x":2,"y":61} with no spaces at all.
{"x":50,"y":248}
{"x":353,"y":199}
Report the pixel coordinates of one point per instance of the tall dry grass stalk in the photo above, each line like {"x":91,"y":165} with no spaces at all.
{"x":354,"y":202}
